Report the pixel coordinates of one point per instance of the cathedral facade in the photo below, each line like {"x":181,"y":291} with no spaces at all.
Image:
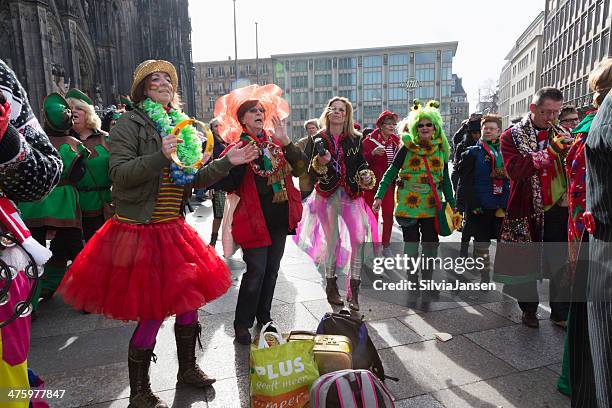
{"x":94,"y":45}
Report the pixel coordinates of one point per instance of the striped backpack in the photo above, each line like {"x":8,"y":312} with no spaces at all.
{"x":350,"y":389}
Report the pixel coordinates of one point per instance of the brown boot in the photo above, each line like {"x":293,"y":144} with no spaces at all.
{"x":333,"y":296}
{"x":189,"y":372}
{"x":354,"y":303}
{"x":141,"y":396}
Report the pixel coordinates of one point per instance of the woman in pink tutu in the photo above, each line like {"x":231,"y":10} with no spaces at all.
{"x":336,"y":220}
{"x":147,"y":263}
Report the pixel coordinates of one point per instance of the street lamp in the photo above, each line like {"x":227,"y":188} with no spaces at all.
{"x":235,"y":48}
{"x":256,"y":56}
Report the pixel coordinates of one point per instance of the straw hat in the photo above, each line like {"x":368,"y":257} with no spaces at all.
{"x":148,"y":67}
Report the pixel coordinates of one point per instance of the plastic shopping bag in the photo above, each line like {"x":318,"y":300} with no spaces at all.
{"x":229,"y":246}
{"x":281,"y":373}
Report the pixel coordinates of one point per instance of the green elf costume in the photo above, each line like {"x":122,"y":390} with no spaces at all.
{"x":60,"y":210}
{"x":94,"y":187}
{"x":417,"y":166}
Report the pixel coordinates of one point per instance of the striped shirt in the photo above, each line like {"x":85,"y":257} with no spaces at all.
{"x":390,"y":151}
{"x":169,"y":201}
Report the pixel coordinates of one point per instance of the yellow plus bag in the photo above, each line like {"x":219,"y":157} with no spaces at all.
{"x":281,"y":372}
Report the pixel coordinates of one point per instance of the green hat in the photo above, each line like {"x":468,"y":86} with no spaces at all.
{"x":78,"y":94}
{"x":127,"y":102}
{"x":57,"y":113}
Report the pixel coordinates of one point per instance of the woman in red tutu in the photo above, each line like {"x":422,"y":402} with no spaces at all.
{"x":147,"y":263}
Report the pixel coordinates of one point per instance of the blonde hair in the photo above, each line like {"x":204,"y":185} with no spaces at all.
{"x":600,"y":81}
{"x":92,"y":120}
{"x":349,"y":124}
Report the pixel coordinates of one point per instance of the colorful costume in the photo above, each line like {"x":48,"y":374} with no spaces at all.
{"x":537,"y":212}
{"x":379,"y":164}
{"x":60,"y":210}
{"x":29,"y":168}
{"x":146,"y":263}
{"x":336,"y":220}
{"x":269,"y":207}
{"x":414,"y":163}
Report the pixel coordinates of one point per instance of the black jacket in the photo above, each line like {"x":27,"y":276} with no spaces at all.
{"x":351,"y":162}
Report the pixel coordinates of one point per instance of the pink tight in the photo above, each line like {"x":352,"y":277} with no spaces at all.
{"x":146,"y":332}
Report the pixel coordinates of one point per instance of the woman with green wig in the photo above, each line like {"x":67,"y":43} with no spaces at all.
{"x":420,"y":164}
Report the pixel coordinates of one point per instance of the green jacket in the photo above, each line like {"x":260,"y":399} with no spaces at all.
{"x":136,"y":163}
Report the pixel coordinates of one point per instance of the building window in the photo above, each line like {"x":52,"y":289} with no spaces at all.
{"x":347,"y":63}
{"x":299,"y":66}
{"x":397,"y":94}
{"x":211,"y":103}
{"x":398,"y":76}
{"x":323,"y":81}
{"x":425,"y":74}
{"x":264,"y":69}
{"x":211,"y":72}
{"x":348,"y":94}
{"x":323,"y":96}
{"x":347,"y":79}
{"x":299,"y":98}
{"x":425,"y":92}
{"x":370,"y":78}
{"x":398,"y":59}
{"x":221,"y":88}
{"x":445,"y":90}
{"x":210,"y":87}
{"x":232,"y":71}
{"x":371,"y":111}
{"x":425,"y":58}
{"x":323,"y":64}
{"x":531,"y":79}
{"x":595,"y":51}
{"x":447,"y":56}
{"x":446,"y":73}
{"x":299,"y":81}
{"x":372,"y":61}
{"x":605,"y":38}
{"x":400,"y":109}
{"x":299,"y":114}
{"x":372,"y":94}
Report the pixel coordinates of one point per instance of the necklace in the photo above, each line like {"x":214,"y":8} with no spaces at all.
{"x":273,"y":157}
{"x":189,"y":152}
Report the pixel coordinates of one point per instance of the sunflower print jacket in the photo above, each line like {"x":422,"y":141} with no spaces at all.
{"x":414,"y":197}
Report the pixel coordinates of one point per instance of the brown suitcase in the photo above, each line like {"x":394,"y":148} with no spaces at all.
{"x":332,"y":352}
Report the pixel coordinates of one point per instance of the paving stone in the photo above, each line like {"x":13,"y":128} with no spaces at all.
{"x":73,"y":322}
{"x":227,"y":302}
{"x":229,"y":393}
{"x":390,"y":333}
{"x":523,"y":347}
{"x":511,"y":310}
{"x":529,"y":389}
{"x":557,"y":367}
{"x":454,"y":321}
{"x":292,"y":292}
{"x":371,"y":309}
{"x":422,"y":401}
{"x":432,"y":365}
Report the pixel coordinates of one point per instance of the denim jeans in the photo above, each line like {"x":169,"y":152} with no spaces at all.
{"x":259,"y":281}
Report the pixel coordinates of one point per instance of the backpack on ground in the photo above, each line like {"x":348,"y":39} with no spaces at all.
{"x":350,"y":389}
{"x":365,"y":355}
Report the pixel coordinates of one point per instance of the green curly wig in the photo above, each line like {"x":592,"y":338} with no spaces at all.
{"x":430,"y":112}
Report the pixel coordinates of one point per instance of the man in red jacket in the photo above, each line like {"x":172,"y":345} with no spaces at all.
{"x":379,"y":148}
{"x":533,"y":151}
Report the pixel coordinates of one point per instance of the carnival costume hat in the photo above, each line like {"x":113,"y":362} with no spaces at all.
{"x":226,"y":108}
{"x":384,"y":115}
{"x":148,"y":67}
{"x":80,"y":95}
{"x":57,"y":113}
{"x":409,"y":129}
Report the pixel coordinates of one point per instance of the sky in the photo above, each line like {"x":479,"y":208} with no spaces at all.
{"x":485,"y":29}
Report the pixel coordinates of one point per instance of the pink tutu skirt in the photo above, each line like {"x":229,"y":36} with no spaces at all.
{"x":144,"y":271}
{"x":333,"y":227}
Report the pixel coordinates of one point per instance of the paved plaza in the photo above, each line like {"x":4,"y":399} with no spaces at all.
{"x":491,"y":361}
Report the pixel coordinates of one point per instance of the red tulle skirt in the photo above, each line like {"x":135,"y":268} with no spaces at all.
{"x":138,"y":272}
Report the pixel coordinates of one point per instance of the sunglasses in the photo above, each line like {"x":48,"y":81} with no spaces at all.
{"x":422,"y":125}
{"x":255,"y":110}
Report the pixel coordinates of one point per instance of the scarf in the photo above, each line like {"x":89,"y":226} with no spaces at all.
{"x":493,"y":150}
{"x":275,"y":167}
{"x":525,"y":139}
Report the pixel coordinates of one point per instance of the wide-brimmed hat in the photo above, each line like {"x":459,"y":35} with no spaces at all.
{"x":57,"y":113}
{"x":80,"y":95}
{"x":226,"y":108}
{"x":148,"y":67}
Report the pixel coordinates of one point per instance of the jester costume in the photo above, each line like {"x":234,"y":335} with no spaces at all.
{"x":29,"y":168}
{"x":59,"y":211}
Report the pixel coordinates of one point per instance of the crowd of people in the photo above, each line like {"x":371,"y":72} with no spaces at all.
{"x":109,"y":192}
